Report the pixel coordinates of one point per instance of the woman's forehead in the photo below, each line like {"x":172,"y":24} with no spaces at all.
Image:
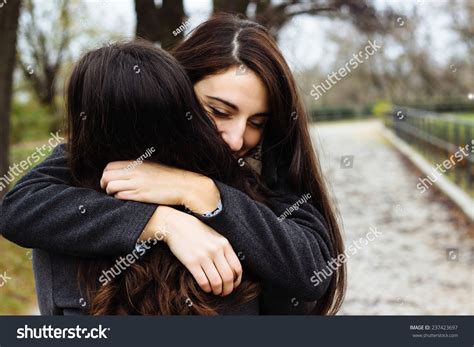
{"x":245,"y":91}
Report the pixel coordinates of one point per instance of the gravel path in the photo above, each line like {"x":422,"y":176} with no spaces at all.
{"x":422,"y":261}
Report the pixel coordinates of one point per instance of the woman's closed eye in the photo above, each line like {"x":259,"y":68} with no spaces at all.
{"x":257,"y":123}
{"x":218,"y":113}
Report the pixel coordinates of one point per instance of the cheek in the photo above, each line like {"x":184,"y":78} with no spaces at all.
{"x":252,"y":137}
{"x":220,"y":124}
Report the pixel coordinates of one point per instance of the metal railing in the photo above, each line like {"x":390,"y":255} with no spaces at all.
{"x":438,"y":137}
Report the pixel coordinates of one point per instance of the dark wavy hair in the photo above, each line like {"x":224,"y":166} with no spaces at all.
{"x":289,"y":159}
{"x":123,"y":99}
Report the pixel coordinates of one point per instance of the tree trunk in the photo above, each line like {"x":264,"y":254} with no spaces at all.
{"x":238,"y":6}
{"x":9,"y":13}
{"x":160,"y":24}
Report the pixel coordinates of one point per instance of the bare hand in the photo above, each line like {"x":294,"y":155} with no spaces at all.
{"x":160,"y":184}
{"x":204,"y":252}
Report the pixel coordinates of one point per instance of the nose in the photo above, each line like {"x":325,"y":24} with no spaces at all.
{"x":234,"y":135}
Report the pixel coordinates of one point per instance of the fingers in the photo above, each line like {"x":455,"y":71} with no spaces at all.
{"x":226,"y":274}
{"x":213,"y":276}
{"x":117,"y":165}
{"x":235,"y":265}
{"x":128,"y":195}
{"x":119,"y":186}
{"x":113,"y":175}
{"x":200,"y":278}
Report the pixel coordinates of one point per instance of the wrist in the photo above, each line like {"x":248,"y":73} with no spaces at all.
{"x":158,"y":226}
{"x":202,"y":195}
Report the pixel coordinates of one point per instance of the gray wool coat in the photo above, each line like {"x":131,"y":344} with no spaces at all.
{"x":63,"y":223}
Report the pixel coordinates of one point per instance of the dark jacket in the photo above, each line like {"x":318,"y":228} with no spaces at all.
{"x":63,"y":223}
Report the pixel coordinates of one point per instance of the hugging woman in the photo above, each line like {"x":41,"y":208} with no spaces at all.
{"x":218,"y":182}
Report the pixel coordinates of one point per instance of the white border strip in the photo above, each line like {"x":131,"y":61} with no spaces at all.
{"x":456,"y":194}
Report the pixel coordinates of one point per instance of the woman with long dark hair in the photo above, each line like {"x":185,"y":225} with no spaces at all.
{"x":247,"y":88}
{"x":130,"y":114}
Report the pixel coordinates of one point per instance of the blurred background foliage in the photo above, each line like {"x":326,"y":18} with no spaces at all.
{"x":407,"y":71}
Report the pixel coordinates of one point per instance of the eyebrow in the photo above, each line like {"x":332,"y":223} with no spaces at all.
{"x":234,"y":107}
{"x":231,"y":105}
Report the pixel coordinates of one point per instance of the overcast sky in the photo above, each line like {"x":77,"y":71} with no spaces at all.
{"x":304,"y":40}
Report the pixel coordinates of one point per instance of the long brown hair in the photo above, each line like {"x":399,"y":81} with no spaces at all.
{"x":289,"y":160}
{"x":123,"y":100}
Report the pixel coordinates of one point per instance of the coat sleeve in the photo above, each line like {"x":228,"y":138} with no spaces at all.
{"x":44,"y":211}
{"x":283,"y":252}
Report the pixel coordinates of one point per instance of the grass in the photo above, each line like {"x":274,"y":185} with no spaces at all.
{"x":17,"y":295}
{"x":460,"y":135}
{"x":467,"y":115}
{"x":459,"y":169}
